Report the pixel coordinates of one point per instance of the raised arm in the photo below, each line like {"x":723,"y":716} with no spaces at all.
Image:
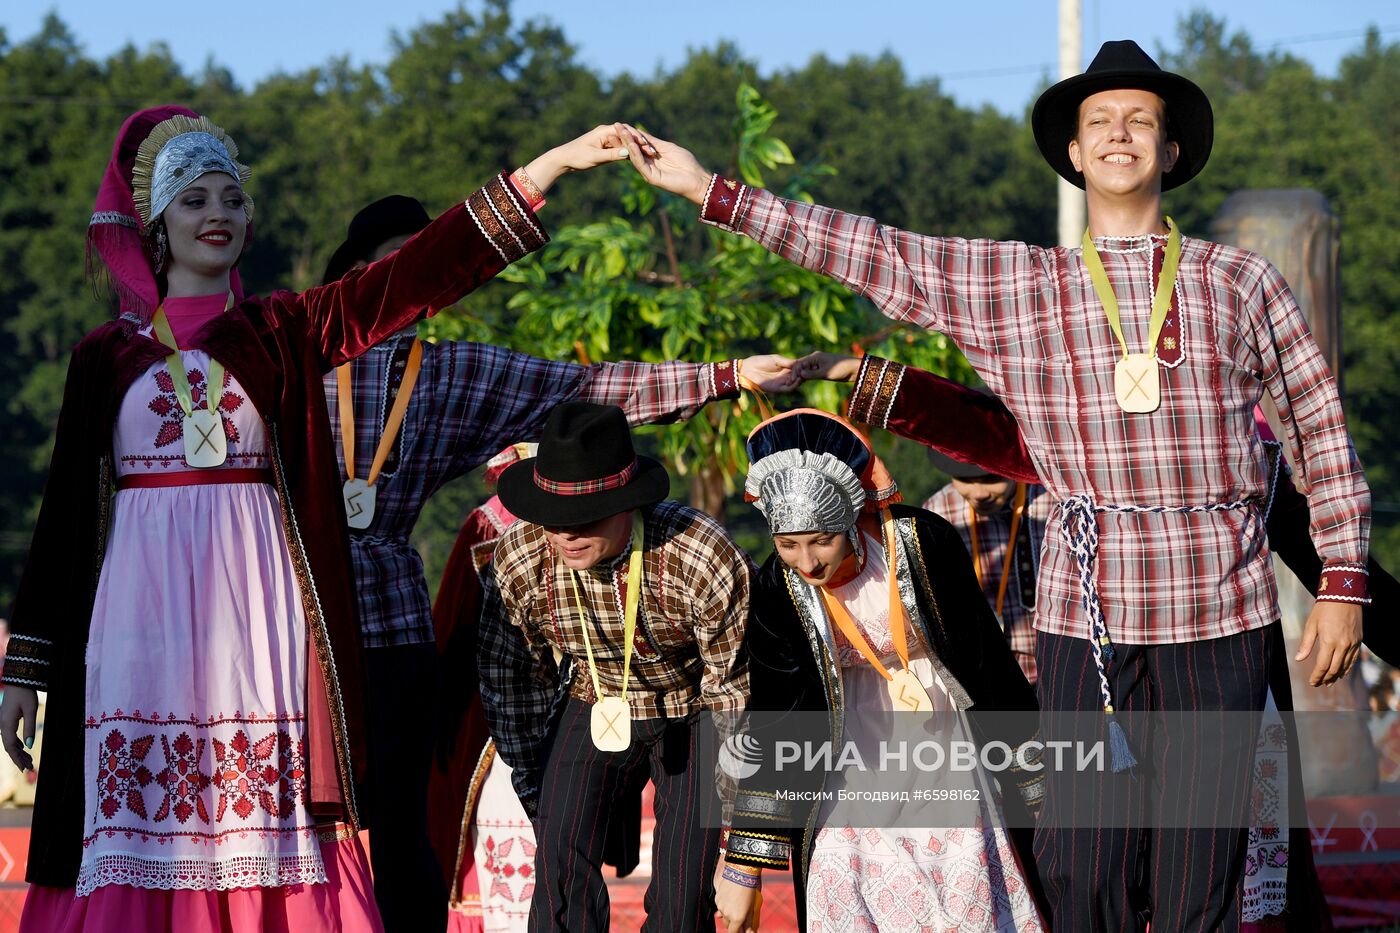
{"x":1296,"y":376}
{"x":967,"y":289}
{"x":459,"y":251}
{"x":495,"y":397}
{"x":963,"y":423}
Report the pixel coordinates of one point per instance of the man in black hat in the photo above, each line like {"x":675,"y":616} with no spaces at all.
{"x":1132,"y":364}
{"x":407,"y":417}
{"x":645,"y":603}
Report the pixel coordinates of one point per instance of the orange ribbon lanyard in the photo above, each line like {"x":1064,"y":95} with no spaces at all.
{"x":1017,"y":511}
{"x":847,"y":625}
{"x":765,"y":405}
{"x":346,"y":401}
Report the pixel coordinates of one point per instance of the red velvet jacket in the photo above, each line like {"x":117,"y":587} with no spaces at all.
{"x":975,"y":428}
{"x":277,"y":347}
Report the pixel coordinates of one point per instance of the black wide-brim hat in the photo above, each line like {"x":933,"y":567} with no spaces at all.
{"x":586,"y":470}
{"x":1124,"y":65}
{"x":388,"y":217}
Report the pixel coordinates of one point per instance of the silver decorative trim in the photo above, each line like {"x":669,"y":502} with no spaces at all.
{"x":770,"y":849}
{"x":904,"y":574}
{"x":114,"y":217}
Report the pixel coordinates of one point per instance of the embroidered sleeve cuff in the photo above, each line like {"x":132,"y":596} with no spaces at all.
{"x":724,"y":379}
{"x":505,"y":219}
{"x":526,"y":189}
{"x":725,"y":202}
{"x":26,"y":662}
{"x":877,"y":387}
{"x":758,"y":849}
{"x":1343,"y":583}
{"x":755,"y":806}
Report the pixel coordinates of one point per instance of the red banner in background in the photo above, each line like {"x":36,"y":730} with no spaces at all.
{"x":1356,"y":844}
{"x":1355,"y":841}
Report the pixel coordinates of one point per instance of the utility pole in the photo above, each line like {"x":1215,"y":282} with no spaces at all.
{"x":1071,"y":200}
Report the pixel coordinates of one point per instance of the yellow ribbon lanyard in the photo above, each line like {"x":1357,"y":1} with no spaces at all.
{"x":346,"y":402}
{"x":1161,"y":296}
{"x":1017,"y":510}
{"x":847,"y":625}
{"x":213,"y":386}
{"x":629,"y":617}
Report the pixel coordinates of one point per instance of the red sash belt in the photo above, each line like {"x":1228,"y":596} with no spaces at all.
{"x":195,"y":478}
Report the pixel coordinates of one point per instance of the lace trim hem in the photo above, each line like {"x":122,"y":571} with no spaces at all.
{"x":248,"y":871}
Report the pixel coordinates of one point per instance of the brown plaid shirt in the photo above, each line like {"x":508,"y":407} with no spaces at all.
{"x":693,"y":612}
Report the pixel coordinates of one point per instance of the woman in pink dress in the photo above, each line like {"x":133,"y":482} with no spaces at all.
{"x":187,"y":599}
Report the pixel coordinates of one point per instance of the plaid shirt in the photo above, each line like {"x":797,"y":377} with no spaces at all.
{"x":993,"y":531}
{"x":690,"y":623}
{"x":1029,"y":321}
{"x":470,"y":401}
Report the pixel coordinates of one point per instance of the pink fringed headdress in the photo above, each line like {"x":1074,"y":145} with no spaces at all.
{"x":116,"y":233}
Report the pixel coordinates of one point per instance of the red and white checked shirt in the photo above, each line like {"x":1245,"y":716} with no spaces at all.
{"x":1029,"y":321}
{"x":993,"y":534}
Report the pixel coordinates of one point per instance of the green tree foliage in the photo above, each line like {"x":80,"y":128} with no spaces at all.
{"x":476,"y":91}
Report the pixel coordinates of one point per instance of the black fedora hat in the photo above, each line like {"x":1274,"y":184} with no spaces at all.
{"x":388,"y":217}
{"x":1124,"y":65}
{"x":586,"y":470}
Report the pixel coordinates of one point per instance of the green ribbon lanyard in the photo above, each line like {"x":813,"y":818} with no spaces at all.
{"x":213,"y":386}
{"x":629,"y":618}
{"x":1161,"y":297}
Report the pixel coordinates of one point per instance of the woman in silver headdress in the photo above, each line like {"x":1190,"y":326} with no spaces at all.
{"x":828,"y":666}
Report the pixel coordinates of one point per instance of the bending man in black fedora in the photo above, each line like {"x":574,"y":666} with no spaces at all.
{"x":1133,"y":365}
{"x":646,"y":602}
{"x":407,"y":417}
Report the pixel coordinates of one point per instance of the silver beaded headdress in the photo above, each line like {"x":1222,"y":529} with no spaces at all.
{"x":800,"y":491}
{"x":176,"y":152}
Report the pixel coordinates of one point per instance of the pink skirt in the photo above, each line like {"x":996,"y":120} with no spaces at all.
{"x":344,"y":903}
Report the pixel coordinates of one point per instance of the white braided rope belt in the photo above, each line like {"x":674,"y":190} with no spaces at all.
{"x":1080,"y":531}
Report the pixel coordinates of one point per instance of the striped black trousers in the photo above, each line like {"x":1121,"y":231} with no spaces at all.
{"x":579,"y":789}
{"x":1102,"y":877}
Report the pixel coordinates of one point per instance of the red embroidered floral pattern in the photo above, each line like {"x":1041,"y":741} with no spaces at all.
{"x":291,"y":774}
{"x":167,"y":406}
{"x":182,"y":779}
{"x":269,"y":773}
{"x":121,"y":774}
{"x":506,"y":869}
{"x":242,"y":773}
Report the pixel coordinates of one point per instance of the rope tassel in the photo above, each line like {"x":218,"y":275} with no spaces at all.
{"x":1120,"y":753}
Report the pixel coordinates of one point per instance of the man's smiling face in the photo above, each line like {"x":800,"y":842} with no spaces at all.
{"x":1121,"y":144}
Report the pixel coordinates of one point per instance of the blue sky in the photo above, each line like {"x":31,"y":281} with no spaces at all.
{"x":984,"y":52}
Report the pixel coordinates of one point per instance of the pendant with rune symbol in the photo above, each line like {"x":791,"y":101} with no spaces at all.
{"x":611,"y":724}
{"x":907,"y":694}
{"x":1136,"y":383}
{"x":205,"y":442}
{"x":359,"y":498}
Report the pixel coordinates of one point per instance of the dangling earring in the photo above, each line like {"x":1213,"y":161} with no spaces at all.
{"x":162,"y":245}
